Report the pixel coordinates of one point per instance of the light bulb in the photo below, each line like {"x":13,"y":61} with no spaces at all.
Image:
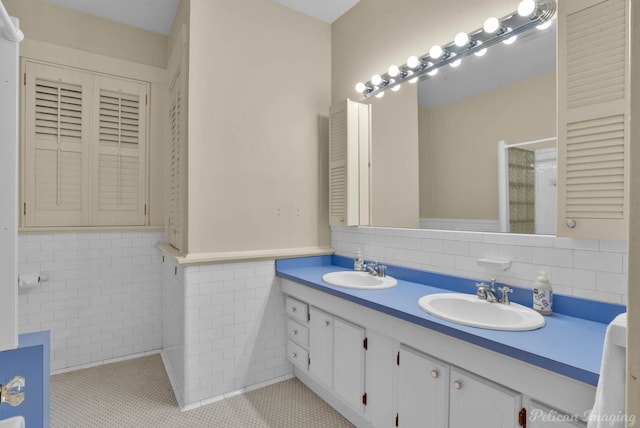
{"x":481,"y":52}
{"x":461,"y":39}
{"x":544,"y":25}
{"x":414,"y":80}
{"x":376,"y":79}
{"x":435,"y":52}
{"x":432,"y":72}
{"x":511,"y":39}
{"x":413,"y":62}
{"x":380,"y":95}
{"x":491,"y":25}
{"x":526,"y":7}
{"x":455,"y":63}
{"x":393,"y":71}
{"x":360,"y":87}
{"x":396,"y":88}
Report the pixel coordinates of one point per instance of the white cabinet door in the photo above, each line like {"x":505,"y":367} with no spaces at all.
{"x":348,"y":363}
{"x":380,"y":363}
{"x":477,"y":402}
{"x":321,"y":346}
{"x":423,"y":389}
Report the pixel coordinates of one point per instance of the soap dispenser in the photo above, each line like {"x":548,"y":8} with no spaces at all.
{"x":543,"y":294}
{"x":358,"y":262}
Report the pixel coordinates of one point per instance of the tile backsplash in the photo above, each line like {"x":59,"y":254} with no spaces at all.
{"x":101,"y":299}
{"x":591,"y":269}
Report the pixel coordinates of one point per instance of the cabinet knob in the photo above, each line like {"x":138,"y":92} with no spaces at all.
{"x":571,"y":223}
{"x":294,"y":332}
{"x":293,"y":309}
{"x":294,"y":355}
{"x":327,"y":323}
{"x":457,"y":384}
{"x":435,"y":374}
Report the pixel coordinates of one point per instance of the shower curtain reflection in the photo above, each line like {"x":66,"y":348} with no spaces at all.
{"x":521,"y":190}
{"x":527,"y":186}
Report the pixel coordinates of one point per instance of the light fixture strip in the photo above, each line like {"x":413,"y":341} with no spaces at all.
{"x":510,"y":25}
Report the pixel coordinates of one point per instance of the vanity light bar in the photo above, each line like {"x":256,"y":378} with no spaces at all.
{"x":530,"y":13}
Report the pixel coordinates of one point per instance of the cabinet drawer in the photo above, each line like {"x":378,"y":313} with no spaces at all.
{"x":297,"y":355}
{"x":298,"y":332}
{"x":297,"y":310}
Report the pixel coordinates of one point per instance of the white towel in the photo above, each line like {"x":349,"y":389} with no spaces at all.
{"x":608,"y":409}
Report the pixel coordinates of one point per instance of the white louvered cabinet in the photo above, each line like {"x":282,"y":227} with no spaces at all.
{"x":85,"y":149}
{"x":57,"y":137}
{"x":593,"y":118}
{"x":349,"y":164}
{"x":119,"y":155}
{"x":177,"y":163}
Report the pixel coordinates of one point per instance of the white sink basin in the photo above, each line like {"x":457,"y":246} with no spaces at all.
{"x":468,"y":310}
{"x":15,"y":422}
{"x":362,"y":280}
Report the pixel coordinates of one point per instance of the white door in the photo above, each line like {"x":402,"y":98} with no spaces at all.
{"x":321,"y":346}
{"x":476,"y":402}
{"x":348,"y":363}
{"x":8,"y":192}
{"x":380,"y":363}
{"x":423,"y":390}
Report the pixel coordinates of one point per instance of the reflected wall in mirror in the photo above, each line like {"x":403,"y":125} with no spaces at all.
{"x":508,"y":95}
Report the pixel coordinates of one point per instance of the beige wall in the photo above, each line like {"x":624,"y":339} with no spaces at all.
{"x":458,"y":145}
{"x":259,"y":82}
{"x":44,"y":21}
{"x":62,"y":36}
{"x":394,"y":159}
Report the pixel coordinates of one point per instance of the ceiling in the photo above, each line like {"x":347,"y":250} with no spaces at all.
{"x":157,"y":15}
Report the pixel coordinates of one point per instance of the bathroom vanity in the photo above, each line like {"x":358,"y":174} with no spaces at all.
{"x":381,"y":361}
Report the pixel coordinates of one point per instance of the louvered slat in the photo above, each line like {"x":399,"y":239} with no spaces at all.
{"x":58,"y":111}
{"x":595,"y":168}
{"x":119,"y":119}
{"x":175,"y":225}
{"x":58,"y":184}
{"x":592,"y":78}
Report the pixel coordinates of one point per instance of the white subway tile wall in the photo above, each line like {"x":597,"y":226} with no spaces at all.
{"x":592,"y":269}
{"x":234,"y":328}
{"x":173,"y":326}
{"x":102,"y":297}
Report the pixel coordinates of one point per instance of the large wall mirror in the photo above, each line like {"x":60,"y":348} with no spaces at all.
{"x":508,"y":95}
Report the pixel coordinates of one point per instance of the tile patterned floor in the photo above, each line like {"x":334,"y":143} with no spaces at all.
{"x":136,"y":393}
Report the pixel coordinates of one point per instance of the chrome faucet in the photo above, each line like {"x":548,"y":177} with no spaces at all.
{"x":488,"y":292}
{"x":375,"y":269}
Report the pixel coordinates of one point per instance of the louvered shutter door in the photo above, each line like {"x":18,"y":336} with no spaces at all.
{"x":175,"y":224}
{"x":57,"y":147}
{"x":119,"y":152}
{"x":593,"y":118}
{"x":349,"y":164}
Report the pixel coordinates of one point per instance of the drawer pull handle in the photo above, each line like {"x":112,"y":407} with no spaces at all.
{"x":293,"y":309}
{"x":435,"y":374}
{"x":294,"y":332}
{"x":294,"y":355}
{"x":457,"y":384}
{"x":327,"y":323}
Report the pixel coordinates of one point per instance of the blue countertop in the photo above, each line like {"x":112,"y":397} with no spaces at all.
{"x":570,"y":343}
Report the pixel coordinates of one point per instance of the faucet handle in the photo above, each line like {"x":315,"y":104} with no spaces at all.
{"x":482,"y":288}
{"x":505,"y":294}
{"x":382,"y":271}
